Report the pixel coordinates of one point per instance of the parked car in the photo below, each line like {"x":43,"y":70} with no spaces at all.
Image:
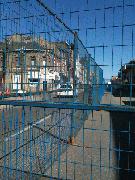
{"x":66,"y":90}
{"x":4,"y":92}
{"x":20,"y":92}
{"x":7,"y":92}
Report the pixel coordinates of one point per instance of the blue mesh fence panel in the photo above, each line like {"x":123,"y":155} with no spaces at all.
{"x":67,"y":89}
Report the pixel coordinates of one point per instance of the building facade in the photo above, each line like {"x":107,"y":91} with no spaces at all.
{"x":27,"y":62}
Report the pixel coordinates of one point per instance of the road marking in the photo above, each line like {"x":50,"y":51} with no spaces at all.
{"x":27,"y":128}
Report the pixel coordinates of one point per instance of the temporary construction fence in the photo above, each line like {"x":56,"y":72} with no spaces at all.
{"x":50,"y":89}
{"x":43,"y":61}
{"x":39,"y":52}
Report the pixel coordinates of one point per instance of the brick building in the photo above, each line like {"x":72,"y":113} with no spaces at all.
{"x":26,"y":62}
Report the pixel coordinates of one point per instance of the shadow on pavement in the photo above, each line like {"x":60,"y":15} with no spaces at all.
{"x":123,"y":126}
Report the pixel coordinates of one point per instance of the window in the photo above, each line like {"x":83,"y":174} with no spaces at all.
{"x":66,"y":86}
{"x":15,"y":60}
{"x":44,"y":62}
{"x":33,"y":61}
{"x":34,"y":80}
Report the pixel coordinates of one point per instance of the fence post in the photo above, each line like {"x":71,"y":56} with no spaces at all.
{"x":75,"y":55}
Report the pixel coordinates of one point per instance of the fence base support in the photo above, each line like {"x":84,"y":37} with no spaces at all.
{"x":71,"y":140}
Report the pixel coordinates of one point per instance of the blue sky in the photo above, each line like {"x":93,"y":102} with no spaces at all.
{"x":86,"y":15}
{"x":98,"y":23}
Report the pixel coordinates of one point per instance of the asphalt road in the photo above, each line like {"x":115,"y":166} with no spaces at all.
{"x":42,"y":146}
{"x":33,"y":138}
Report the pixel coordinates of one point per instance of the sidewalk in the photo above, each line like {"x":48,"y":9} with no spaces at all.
{"x":91,"y":156}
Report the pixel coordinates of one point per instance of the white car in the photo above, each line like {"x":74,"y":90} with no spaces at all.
{"x":66,"y":90}
{"x":21,"y":91}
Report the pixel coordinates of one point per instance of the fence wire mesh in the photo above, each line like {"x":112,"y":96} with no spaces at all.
{"x":67,"y":89}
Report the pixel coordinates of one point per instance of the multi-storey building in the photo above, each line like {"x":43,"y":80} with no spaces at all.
{"x":26,"y":62}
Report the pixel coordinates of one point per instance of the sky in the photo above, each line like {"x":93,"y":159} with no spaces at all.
{"x":106,"y":27}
